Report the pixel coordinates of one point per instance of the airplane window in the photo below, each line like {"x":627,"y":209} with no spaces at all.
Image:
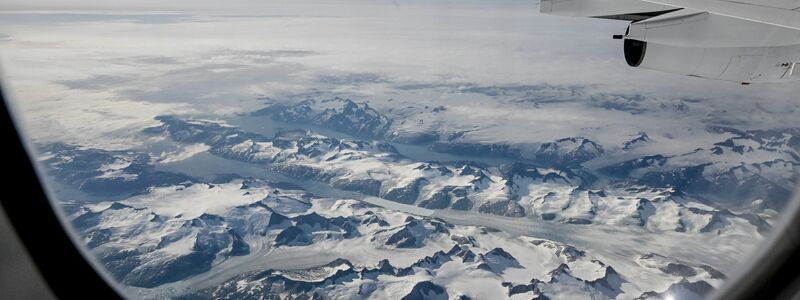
{"x":411,"y":149}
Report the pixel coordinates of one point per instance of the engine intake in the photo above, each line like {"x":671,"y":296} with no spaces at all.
{"x":634,"y":52}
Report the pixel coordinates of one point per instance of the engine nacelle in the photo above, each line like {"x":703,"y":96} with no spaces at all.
{"x":740,"y":64}
{"x":711,"y":46}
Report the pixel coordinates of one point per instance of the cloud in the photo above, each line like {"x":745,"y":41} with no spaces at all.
{"x":53,"y":18}
{"x":95,"y":82}
{"x":535,"y":76}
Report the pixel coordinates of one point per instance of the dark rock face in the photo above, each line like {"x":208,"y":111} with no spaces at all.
{"x":312,"y":220}
{"x":520,"y":170}
{"x":120,"y":263}
{"x":624,"y":169}
{"x":570,"y":253}
{"x":447,"y":196}
{"x":497,"y":260}
{"x":740,"y":186}
{"x":288,"y":113}
{"x":721,"y":185}
{"x":384,"y":268}
{"x":562,"y":269}
{"x":413,"y":234}
{"x":407,"y":194}
{"x":431,"y":262}
{"x":438,"y":200}
{"x":463,"y":204}
{"x":270,"y":283}
{"x":373,"y":219}
{"x":718,"y":220}
{"x":426,"y":290}
{"x":463,"y":252}
{"x":680,"y":178}
{"x":643,"y":138}
{"x":356,"y":119}
{"x":517,"y":173}
{"x":736,"y":187}
{"x":682,"y":290}
{"x":276,"y":219}
{"x":403,"y":238}
{"x":677,"y":269}
{"x":569,"y":151}
{"x":343,"y":115}
{"x":238,"y":246}
{"x":86,"y":220}
{"x":500,"y":253}
{"x":298,"y":171}
{"x":211,"y":240}
{"x":576,"y":221}
{"x":508,"y":208}
{"x":307,"y":226}
{"x":212,"y":134}
{"x":520,"y":289}
{"x":97,"y":238}
{"x":644,"y":210}
{"x":153,"y":275}
{"x":88,"y":170}
{"x":721,"y":218}
{"x":211,"y":237}
{"x":610,"y":284}
{"x":292,"y":236}
{"x":370,"y":186}
{"x":548,"y":216}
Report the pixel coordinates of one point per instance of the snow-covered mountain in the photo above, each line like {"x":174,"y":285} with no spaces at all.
{"x":514,"y":189}
{"x":104,"y":173}
{"x":345,"y":115}
{"x":362,"y":121}
{"x":172,"y":234}
{"x":748,"y":169}
{"x":147,"y":244}
{"x":273,"y":239}
{"x":736,"y":169}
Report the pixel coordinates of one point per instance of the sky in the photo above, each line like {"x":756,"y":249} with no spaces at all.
{"x":236,"y":5}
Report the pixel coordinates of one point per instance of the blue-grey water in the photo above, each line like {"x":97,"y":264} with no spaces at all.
{"x":207,"y":166}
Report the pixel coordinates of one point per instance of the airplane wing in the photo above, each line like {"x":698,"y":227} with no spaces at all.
{"x":743,"y":40}
{"x":783,"y":13}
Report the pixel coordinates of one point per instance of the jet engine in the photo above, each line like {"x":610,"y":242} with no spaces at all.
{"x":712,"y":46}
